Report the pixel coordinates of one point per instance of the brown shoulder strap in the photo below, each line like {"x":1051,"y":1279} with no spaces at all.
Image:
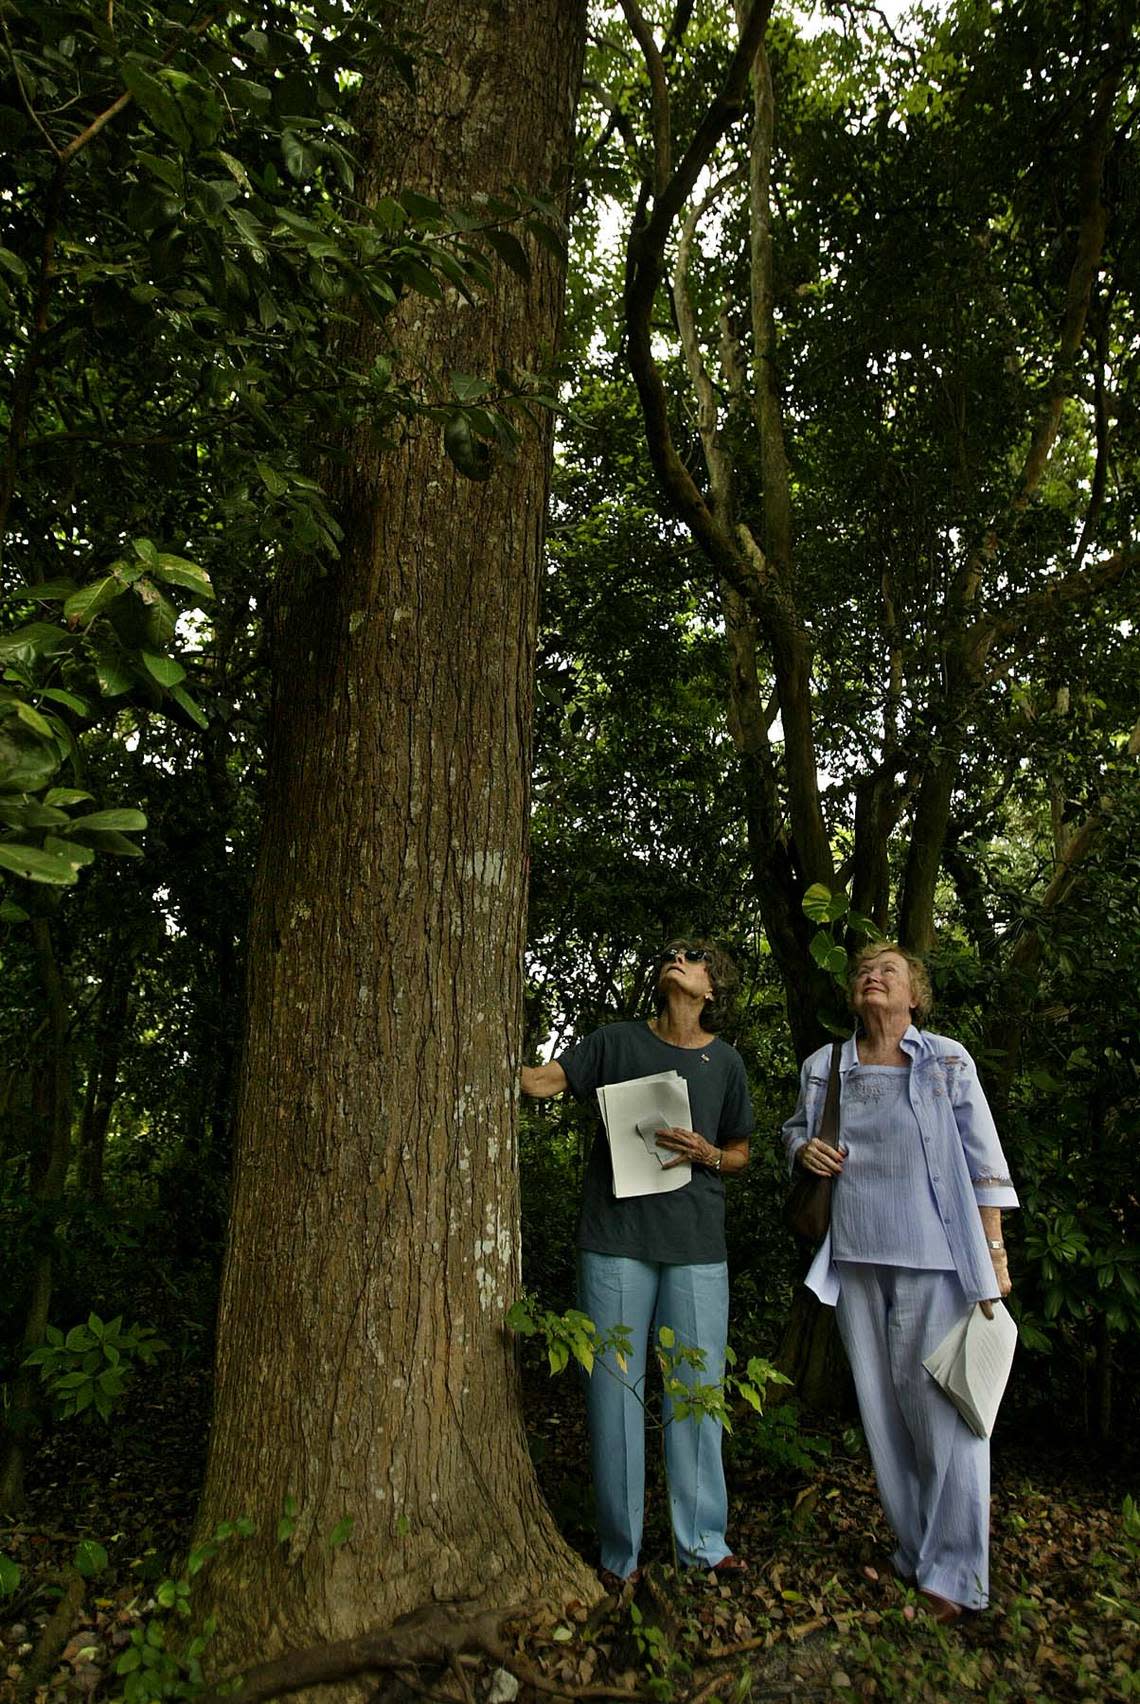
{"x":829,"y":1123}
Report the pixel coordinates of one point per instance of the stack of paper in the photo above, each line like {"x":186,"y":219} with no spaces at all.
{"x":631,"y":1112}
{"x":972,"y":1365}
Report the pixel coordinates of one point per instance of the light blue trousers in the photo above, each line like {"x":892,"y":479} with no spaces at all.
{"x":645,"y":1295}
{"x":933,"y":1471}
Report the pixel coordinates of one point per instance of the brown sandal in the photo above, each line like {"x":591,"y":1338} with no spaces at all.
{"x":939,"y":1608}
{"x":614,"y":1583}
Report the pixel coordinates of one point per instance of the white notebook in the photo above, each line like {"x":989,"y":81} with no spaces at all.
{"x":657,"y":1101}
{"x":972,"y":1365}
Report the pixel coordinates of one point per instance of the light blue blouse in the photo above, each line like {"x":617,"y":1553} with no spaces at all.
{"x":962,"y":1155}
{"x":883,"y":1208}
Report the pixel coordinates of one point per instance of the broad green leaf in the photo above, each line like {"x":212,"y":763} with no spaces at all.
{"x":10,"y":912}
{"x":421,"y":279}
{"x":421,"y":209}
{"x":78,"y":856}
{"x":48,"y":590}
{"x":519,"y":1319}
{"x":147,"y":552}
{"x":126,"y":821}
{"x":66,"y":796}
{"x":86,"y":603}
{"x":32,"y":719}
{"x":37,"y":639}
{"x":183,"y":698}
{"x":10,"y":1576}
{"x":341,"y":1532}
{"x":35,"y":865}
{"x":57,"y":695}
{"x":823,"y":906}
{"x":469,"y":454}
{"x":466,"y":388}
{"x":179,"y":572}
{"x":90,"y":1558}
{"x":113,"y":675}
{"x":30,"y":814}
{"x":109,"y":840}
{"x":274,"y":481}
{"x":509,"y":250}
{"x":165,"y":670}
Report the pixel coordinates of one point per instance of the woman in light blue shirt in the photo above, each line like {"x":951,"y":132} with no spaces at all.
{"x":915,"y":1240}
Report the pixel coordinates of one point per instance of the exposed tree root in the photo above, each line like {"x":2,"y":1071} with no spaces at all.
{"x":439,"y":1635}
{"x":56,"y":1631}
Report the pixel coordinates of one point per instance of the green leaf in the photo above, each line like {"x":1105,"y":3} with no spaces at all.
{"x":113,"y":674}
{"x":10,"y":1576}
{"x":274,"y":481}
{"x":48,"y":590}
{"x":509,"y":250}
{"x":466,"y":388}
{"x":66,"y":796}
{"x":165,"y":670}
{"x":10,"y":912}
{"x":667,"y":1337}
{"x":341,"y":1532}
{"x":179,"y":572}
{"x":823,"y":906}
{"x":126,"y":821}
{"x":469,"y":454}
{"x":57,"y":695}
{"x":32,"y":719}
{"x":520,"y":1320}
{"x":37,"y":639}
{"x":86,"y":603}
{"x":421,"y":209}
{"x":183,"y":698}
{"x":36,"y":865}
{"x":90,"y":1558}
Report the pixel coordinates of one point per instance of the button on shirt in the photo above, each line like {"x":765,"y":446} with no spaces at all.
{"x":883,"y":1208}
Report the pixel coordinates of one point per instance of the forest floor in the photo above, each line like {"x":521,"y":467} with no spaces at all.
{"x":818,"y":1616}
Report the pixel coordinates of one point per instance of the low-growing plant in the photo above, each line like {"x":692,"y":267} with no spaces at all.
{"x":87,"y":1370}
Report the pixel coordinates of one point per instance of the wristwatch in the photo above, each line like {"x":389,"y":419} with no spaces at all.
{"x":993,"y":1244}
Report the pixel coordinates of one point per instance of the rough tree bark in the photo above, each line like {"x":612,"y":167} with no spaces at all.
{"x":363,"y":1365}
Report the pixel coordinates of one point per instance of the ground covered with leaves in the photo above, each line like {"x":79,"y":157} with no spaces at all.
{"x":818,"y":1616}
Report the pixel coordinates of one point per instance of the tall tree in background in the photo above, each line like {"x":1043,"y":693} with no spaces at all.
{"x":363,"y":1367}
{"x":909,"y":279}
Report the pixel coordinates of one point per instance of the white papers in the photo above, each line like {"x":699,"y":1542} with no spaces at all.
{"x":972,"y":1365}
{"x":630,"y":1109}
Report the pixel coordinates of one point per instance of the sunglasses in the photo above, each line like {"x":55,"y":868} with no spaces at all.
{"x":691,"y":955}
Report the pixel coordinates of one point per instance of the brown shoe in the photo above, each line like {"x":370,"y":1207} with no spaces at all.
{"x":940,"y":1608}
{"x":614,"y":1583}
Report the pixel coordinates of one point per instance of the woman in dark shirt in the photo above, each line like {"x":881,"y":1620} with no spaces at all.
{"x":648,"y":1261}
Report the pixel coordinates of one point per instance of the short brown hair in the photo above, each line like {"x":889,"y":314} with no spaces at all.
{"x":723,"y":975}
{"x":921,"y":991}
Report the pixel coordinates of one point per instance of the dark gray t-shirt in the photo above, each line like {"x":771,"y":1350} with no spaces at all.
{"x":686,"y":1226}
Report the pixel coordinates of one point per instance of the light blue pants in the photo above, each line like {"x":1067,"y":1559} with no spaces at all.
{"x":645,"y":1295}
{"x":933,"y":1471}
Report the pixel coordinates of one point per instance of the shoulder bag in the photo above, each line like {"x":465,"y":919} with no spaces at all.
{"x":807,"y":1210}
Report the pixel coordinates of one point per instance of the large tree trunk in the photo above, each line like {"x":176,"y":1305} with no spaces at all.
{"x":363,"y":1365}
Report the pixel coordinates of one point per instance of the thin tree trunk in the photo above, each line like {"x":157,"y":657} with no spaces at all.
{"x":103,"y":1074}
{"x":363,"y":1365}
